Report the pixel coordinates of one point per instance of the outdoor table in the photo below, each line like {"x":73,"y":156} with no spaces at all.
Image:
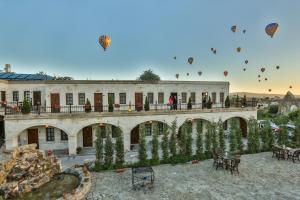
{"x":142,"y":176}
{"x":227,"y":157}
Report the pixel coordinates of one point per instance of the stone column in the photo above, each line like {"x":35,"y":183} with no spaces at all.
{"x":127,"y":141}
{"x":11,"y":143}
{"x":72,"y":144}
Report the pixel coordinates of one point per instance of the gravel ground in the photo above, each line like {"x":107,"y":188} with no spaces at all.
{"x":261,"y":177}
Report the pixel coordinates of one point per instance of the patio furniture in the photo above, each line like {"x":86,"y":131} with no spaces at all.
{"x":234,"y":165}
{"x":279,"y":152}
{"x":227,"y":157}
{"x":218,"y":161}
{"x":294,"y":155}
{"x":142,"y":178}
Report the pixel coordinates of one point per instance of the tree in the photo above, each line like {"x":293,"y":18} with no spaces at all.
{"x":87,"y":106}
{"x":244,"y":101}
{"x":296,"y":138}
{"x":99,"y":148}
{"x":209,"y":103}
{"x":110,"y":105}
{"x":119,"y":149}
{"x":273,"y":109}
{"x":227,"y":102}
{"x":232,"y":136}
{"x":214,"y":137}
{"x":221,"y":135}
{"x":189,"y":105}
{"x":253,"y":137}
{"x":26,"y":107}
{"x":282,"y":136}
{"x":64,"y":78}
{"x":256,"y":137}
{"x":165,"y":144}
{"x":108,"y":148}
{"x":199,"y":140}
{"x":142,"y":146}
{"x":182,"y":138}
{"x":208,"y":141}
{"x":155,"y":156}
{"x":173,"y":142}
{"x":239,"y":140}
{"x":237,"y":101}
{"x":189,"y":140}
{"x":148,"y":75}
{"x":146,"y":106}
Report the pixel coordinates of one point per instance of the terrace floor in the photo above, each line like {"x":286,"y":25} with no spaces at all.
{"x":261,"y":177}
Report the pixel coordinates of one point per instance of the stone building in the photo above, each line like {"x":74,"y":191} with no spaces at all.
{"x":58,"y":120}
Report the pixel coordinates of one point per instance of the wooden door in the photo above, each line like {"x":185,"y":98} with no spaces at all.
{"x":243,"y":126}
{"x":87,"y":136}
{"x":135,"y":135}
{"x":36,"y":98}
{"x":33,"y":136}
{"x":3,"y":97}
{"x":138,"y":101}
{"x":98,"y":103}
{"x":55,"y":103}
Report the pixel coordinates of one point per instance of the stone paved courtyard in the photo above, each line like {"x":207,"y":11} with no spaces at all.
{"x":261,"y":177}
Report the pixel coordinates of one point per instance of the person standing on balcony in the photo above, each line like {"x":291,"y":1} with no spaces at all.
{"x":171,"y":102}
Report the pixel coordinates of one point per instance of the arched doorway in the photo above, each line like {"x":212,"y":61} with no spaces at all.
{"x":241,"y":122}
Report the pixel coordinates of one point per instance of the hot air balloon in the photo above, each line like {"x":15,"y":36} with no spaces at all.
{"x":225,"y":73}
{"x":271,"y":29}
{"x":277,"y":67}
{"x":233,"y":29}
{"x":199,"y":73}
{"x":246,"y":61}
{"x":270,"y":90}
{"x":212,"y":49}
{"x":174,"y":57}
{"x":266,"y":79}
{"x":244,"y":69}
{"x":215,"y":51}
{"x":262,"y":69}
{"x":177,"y":76}
{"x":238,"y":49}
{"x":190,"y":60}
{"x":258,"y":80}
{"x":244,"y":31}
{"x":187,"y":74}
{"x":291,"y":87}
{"x":258,"y":76}
{"x":104,"y":41}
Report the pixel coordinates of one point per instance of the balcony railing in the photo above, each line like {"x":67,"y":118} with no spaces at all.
{"x":13,"y":109}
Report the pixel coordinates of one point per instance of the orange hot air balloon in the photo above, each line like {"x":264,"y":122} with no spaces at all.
{"x":238,"y":49}
{"x":190,"y":60}
{"x":271,"y":29}
{"x":104,"y":41}
{"x":177,"y":76}
{"x":246,"y":61}
{"x":263,"y":69}
{"x":233,"y":29}
{"x":225,"y":73}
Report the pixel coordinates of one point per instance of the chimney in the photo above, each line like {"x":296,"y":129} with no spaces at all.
{"x":7,"y":68}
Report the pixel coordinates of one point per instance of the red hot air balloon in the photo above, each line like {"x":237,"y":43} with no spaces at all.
{"x":225,"y":73}
{"x":104,"y":41}
{"x":233,"y":29}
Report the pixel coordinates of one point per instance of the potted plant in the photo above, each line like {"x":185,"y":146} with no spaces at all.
{"x":189,"y":105}
{"x":87,"y":106}
{"x":26,"y":107}
{"x":78,"y":150}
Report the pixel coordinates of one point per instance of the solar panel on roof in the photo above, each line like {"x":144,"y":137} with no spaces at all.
{"x":27,"y":77}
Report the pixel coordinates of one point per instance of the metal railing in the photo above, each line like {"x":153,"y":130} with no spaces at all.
{"x":70,"y":109}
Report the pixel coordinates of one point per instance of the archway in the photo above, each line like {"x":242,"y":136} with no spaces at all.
{"x":241,"y":122}
{"x":149,"y":125}
{"x":202,"y":123}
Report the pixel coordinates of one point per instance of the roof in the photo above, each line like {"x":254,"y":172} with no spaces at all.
{"x":24,"y":77}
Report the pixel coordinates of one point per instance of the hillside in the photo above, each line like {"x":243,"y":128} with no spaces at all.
{"x":260,"y":95}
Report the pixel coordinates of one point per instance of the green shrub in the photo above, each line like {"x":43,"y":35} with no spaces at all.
{"x":26,"y":107}
{"x":221,"y":135}
{"x":232,"y":135}
{"x":155,"y":146}
{"x":199,"y":141}
{"x":142,"y":146}
{"x":189,"y":140}
{"x":244,"y":101}
{"x":227,"y":102}
{"x":87,"y":106}
{"x":209,"y":103}
{"x":110,"y":105}
{"x":207,"y":141}
{"x":165,"y":144}
{"x":99,"y":148}
{"x":146,"y":106}
{"x":108,"y":150}
{"x":173,"y":139}
{"x":189,"y":105}
{"x":119,"y":149}
{"x":273,"y":109}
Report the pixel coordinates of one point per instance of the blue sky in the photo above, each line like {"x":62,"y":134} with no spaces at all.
{"x":61,"y":37}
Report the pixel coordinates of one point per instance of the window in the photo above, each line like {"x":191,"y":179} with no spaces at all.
{"x":16,"y":96}
{"x":27,"y":95}
{"x":111,"y":96}
{"x":49,"y":134}
{"x":63,"y":136}
{"x":160,"y":97}
{"x":160,"y":128}
{"x":183,"y":97}
{"x":69,"y":98}
{"x":222,"y":97}
{"x":214,"y":97}
{"x":103,"y":131}
{"x":148,"y":129}
{"x":122,"y":97}
{"x":193,"y":97}
{"x":81,"y":98}
{"x":114,"y":132}
{"x":150,"y":97}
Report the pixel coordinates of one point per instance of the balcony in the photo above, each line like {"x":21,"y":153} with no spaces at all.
{"x":13,"y":111}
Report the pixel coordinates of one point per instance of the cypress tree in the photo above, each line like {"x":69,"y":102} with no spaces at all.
{"x":189,"y":105}
{"x":182,"y":139}
{"x":227,"y":102}
{"x":165,"y":144}
{"x":26,"y":107}
{"x":119,"y":148}
{"x":214,"y":137}
{"x":154,"y":150}
{"x":146,"y":106}
{"x":142,"y":146}
{"x":221,"y":136}
{"x":209,"y":103}
{"x":173,"y":145}
{"x":256,"y":137}
{"x":109,"y":152}
{"x":239,"y":140}
{"x":110,"y":105}
{"x":99,"y":148}
{"x":208,"y":141}
{"x":199,"y":140}
{"x":232,"y":136}
{"x":189,"y":140}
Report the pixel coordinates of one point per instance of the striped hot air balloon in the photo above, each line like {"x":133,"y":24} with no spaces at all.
{"x":104,"y":41}
{"x":271,"y":29}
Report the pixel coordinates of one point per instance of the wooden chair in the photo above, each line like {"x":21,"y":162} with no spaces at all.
{"x":218,"y":161}
{"x":274,"y":150}
{"x":234,"y":165}
{"x":294,"y":155}
{"x":280,"y":154}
